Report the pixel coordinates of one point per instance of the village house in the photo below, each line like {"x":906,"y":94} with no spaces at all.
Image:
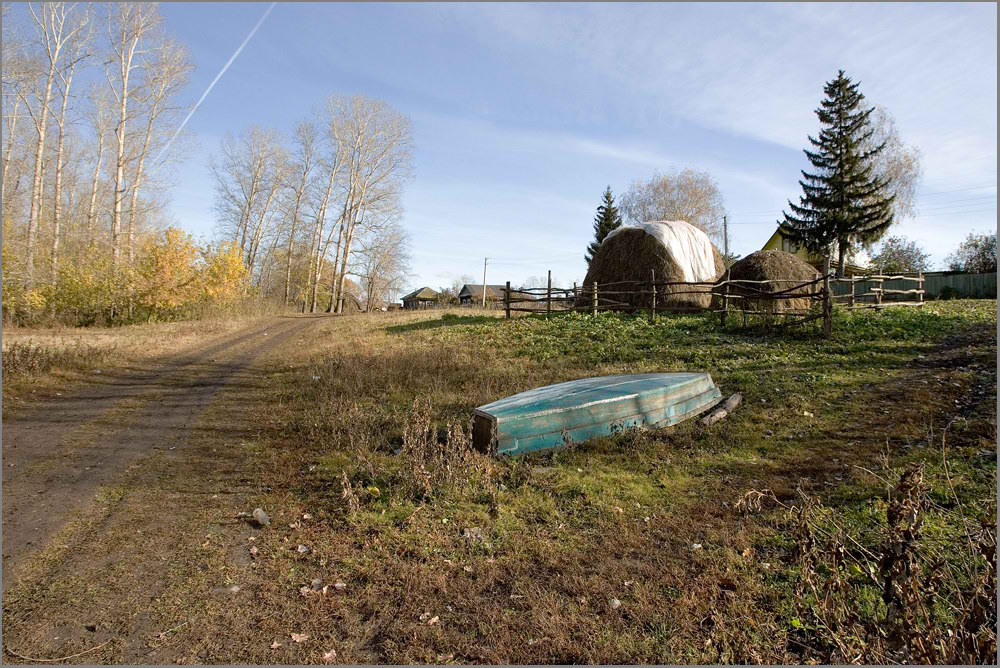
{"x":420,"y":299}
{"x":473,"y":294}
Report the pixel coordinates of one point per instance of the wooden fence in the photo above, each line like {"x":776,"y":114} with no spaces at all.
{"x":725,"y":297}
{"x":876,"y":293}
{"x":736,"y":296}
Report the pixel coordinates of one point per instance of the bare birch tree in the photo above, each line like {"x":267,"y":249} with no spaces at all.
{"x":58,"y":26}
{"x":331,"y":165}
{"x":898,"y":163}
{"x":687,"y":195}
{"x":77,"y":51}
{"x":250,"y":171}
{"x":20,"y":71}
{"x":306,"y":139}
{"x":129,"y":26}
{"x":383,"y":263}
{"x":378,"y":140}
{"x":166,"y":68}
{"x":100,"y":120}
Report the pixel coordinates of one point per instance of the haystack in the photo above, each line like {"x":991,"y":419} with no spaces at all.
{"x":670,"y":250}
{"x":772,"y":265}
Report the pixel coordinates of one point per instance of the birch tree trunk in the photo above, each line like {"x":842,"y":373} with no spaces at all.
{"x":51,"y":28}
{"x":128,"y":25}
{"x":57,"y":195}
{"x":11,"y":126}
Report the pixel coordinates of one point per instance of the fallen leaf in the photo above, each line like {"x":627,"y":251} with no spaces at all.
{"x":275,"y":645}
{"x":299,"y":637}
{"x":468,"y":569}
{"x":304,"y":590}
{"x":253,"y":551}
{"x":425,"y":616}
{"x":433,"y":620}
{"x":307,"y":516}
{"x":696,"y":546}
{"x":615,"y":604}
{"x":330,"y":656}
{"x":340,"y":586}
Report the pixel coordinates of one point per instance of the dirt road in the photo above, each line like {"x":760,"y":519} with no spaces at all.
{"x":59,"y":455}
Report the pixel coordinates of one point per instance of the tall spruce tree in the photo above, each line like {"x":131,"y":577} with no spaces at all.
{"x":843,"y":202}
{"x":606,"y":220}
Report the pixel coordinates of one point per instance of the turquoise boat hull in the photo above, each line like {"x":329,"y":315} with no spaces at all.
{"x":557,"y":415}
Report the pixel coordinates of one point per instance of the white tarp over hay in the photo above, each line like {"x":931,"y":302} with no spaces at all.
{"x":689,"y":248}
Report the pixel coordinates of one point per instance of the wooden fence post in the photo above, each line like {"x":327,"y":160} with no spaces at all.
{"x":827,"y":299}
{"x":506,"y":300}
{"x":920,"y":286}
{"x":854,"y":280}
{"x":652,"y":305}
{"x":593,"y":298}
{"x":548,"y":297}
{"x":576,"y":295}
{"x":725,"y":301}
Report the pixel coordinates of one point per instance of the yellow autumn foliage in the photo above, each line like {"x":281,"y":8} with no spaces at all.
{"x":172,"y":278}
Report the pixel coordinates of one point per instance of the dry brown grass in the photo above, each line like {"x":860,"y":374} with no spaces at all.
{"x":355,"y":442}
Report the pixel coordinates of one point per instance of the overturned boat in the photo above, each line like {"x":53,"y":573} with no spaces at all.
{"x":557,"y":415}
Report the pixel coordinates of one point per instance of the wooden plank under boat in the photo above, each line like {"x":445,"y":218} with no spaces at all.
{"x":555,"y":415}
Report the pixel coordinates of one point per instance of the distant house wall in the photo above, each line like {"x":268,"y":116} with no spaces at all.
{"x":976,"y":286}
{"x":969,"y":286}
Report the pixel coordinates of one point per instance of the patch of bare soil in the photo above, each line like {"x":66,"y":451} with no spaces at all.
{"x":60,"y":454}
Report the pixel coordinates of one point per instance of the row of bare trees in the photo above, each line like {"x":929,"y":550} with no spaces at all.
{"x":310,"y":210}
{"x":90,"y":99}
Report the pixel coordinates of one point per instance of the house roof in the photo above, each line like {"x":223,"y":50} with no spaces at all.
{"x":422,"y":293}
{"x":471,"y":290}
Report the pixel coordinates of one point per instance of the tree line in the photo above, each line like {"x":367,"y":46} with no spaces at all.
{"x":92,"y":118}
{"x":91,"y":105}
{"x":310,"y":210}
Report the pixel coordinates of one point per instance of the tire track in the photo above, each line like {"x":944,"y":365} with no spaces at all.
{"x":63,"y":453}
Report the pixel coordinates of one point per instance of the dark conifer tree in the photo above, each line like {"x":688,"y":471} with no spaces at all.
{"x":606,"y":220}
{"x":843,"y":202}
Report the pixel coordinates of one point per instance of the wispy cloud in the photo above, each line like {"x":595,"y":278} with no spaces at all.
{"x":760,"y":74}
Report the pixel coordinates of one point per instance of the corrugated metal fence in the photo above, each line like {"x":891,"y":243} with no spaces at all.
{"x":975,"y":286}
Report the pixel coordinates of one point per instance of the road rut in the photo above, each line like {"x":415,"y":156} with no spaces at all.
{"x":59,"y":454}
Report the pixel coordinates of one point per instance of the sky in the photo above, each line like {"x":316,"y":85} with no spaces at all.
{"x":523,"y":113}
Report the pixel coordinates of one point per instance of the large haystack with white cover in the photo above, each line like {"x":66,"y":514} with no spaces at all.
{"x":673,"y":250}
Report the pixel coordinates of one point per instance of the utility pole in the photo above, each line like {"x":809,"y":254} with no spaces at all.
{"x":725,"y":240}
{"x":485,"y":261}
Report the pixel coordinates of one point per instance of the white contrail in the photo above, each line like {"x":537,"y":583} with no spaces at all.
{"x":215,"y":80}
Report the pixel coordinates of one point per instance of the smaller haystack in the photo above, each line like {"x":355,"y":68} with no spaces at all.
{"x":668,"y":250}
{"x":772,"y":265}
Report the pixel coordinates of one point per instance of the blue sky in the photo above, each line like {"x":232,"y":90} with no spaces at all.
{"x":523,"y":113}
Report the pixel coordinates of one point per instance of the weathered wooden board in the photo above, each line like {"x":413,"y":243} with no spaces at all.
{"x":555,"y":415}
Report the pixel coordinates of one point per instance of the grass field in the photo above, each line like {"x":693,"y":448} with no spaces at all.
{"x":755,"y":540}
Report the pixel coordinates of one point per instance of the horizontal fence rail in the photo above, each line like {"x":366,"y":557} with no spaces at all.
{"x":874,"y":291}
{"x":739,"y":296}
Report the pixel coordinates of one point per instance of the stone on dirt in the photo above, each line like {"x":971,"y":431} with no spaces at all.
{"x":261,"y":517}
